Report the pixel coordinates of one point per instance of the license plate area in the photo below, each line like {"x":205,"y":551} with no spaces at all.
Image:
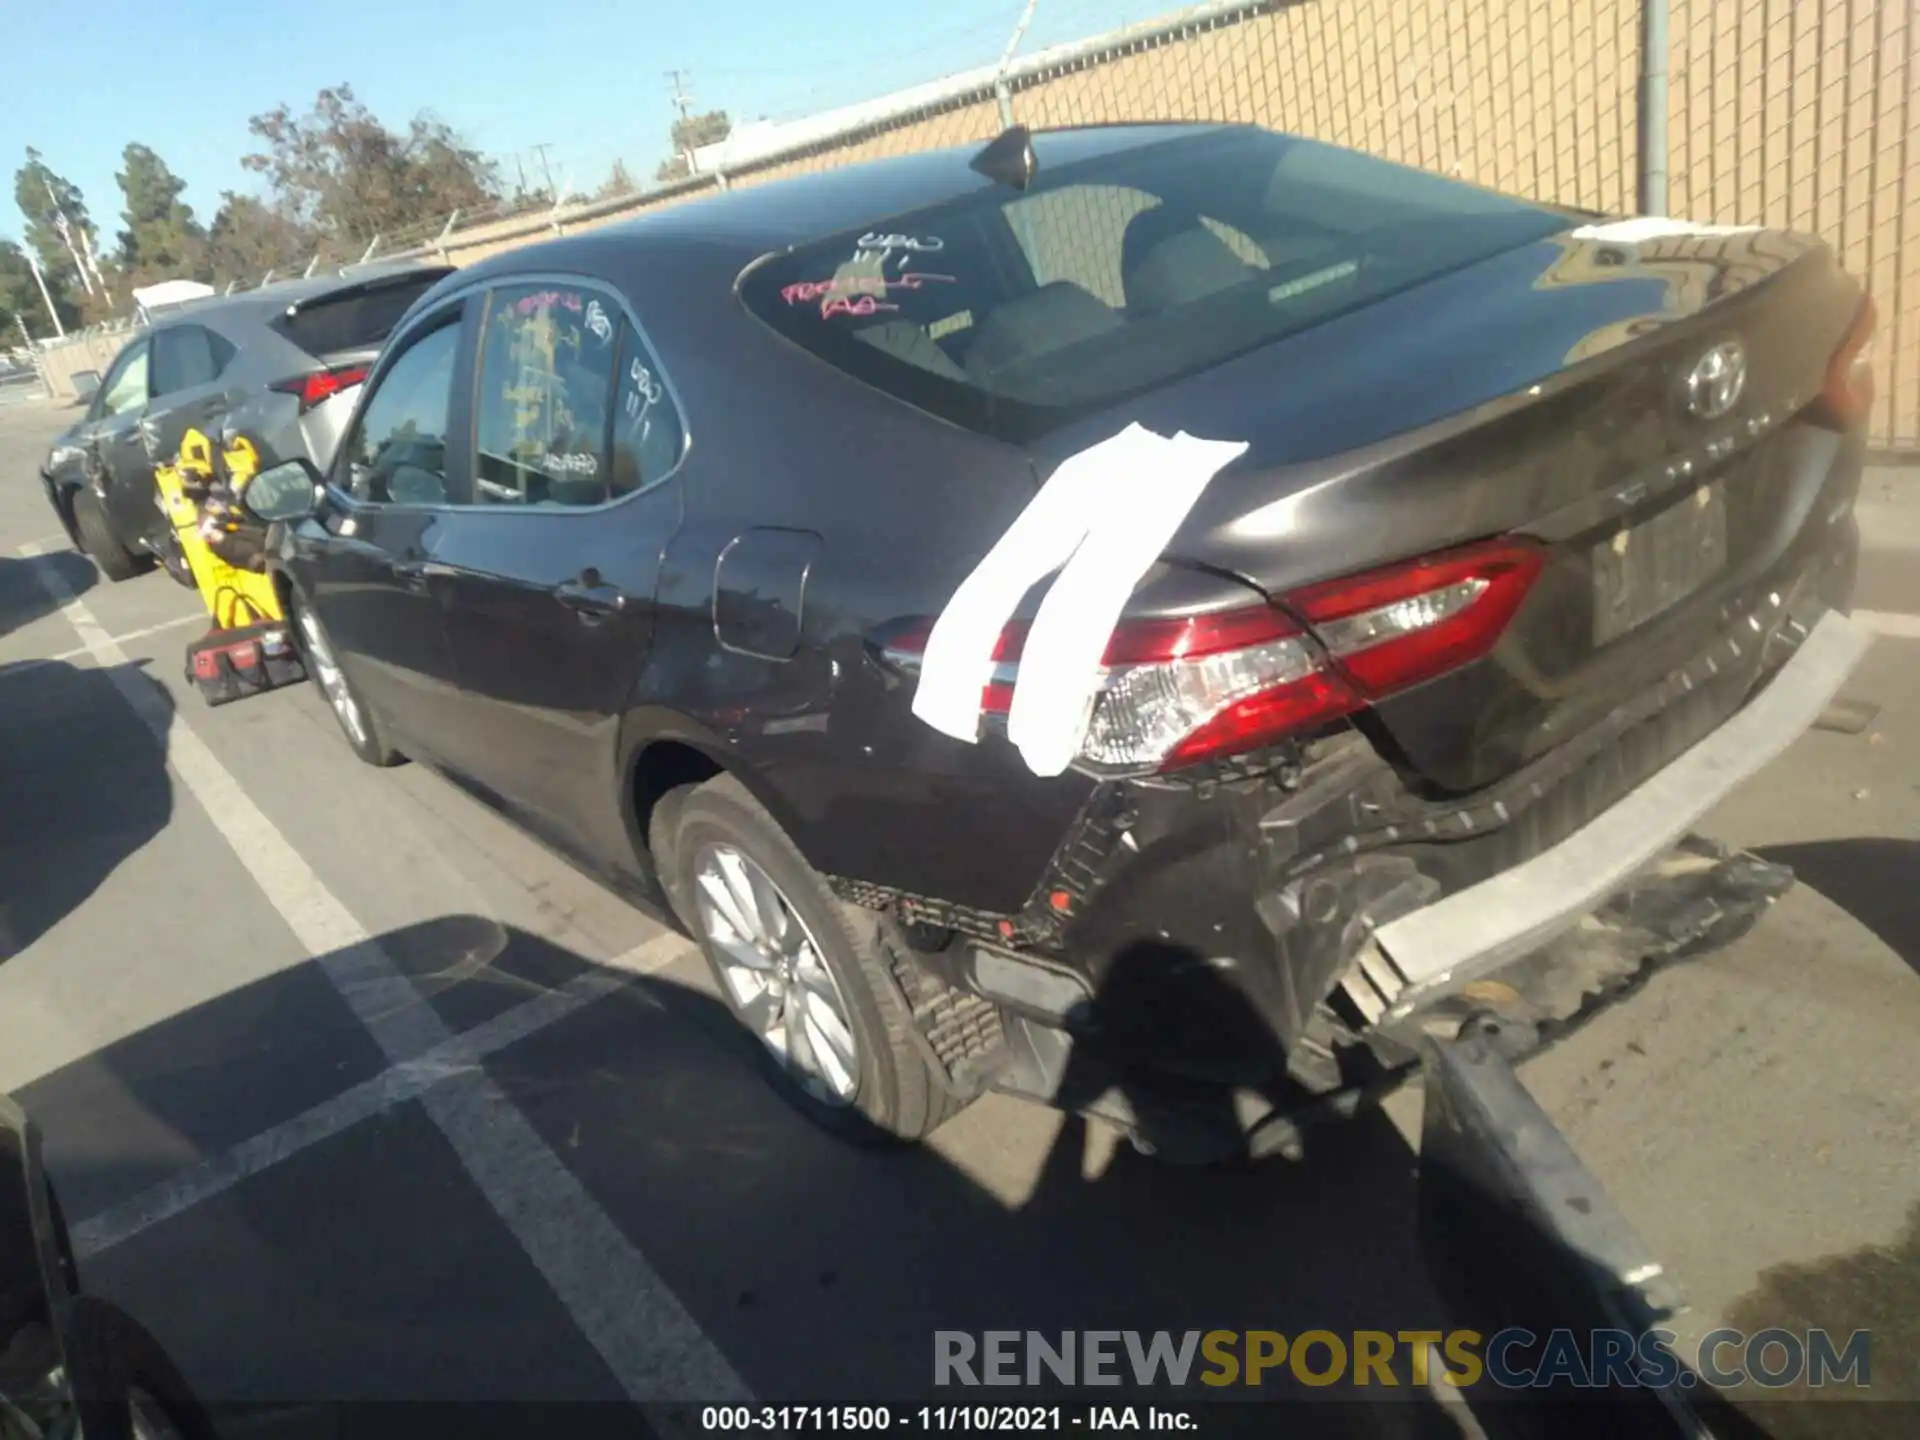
{"x":1647,"y":569}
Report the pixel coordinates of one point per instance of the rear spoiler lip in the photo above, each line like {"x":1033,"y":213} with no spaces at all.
{"x":368,"y":286}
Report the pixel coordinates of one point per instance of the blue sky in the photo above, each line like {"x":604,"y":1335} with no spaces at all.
{"x":584,"y":77}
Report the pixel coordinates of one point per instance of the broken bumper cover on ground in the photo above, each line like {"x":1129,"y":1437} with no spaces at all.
{"x":1434,"y":951}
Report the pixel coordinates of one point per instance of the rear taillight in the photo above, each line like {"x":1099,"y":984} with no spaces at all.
{"x":318,"y":385}
{"x":1175,"y":692}
{"x":1849,"y":388}
{"x":1396,"y":626}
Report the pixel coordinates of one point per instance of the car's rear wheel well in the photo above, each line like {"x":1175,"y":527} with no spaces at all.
{"x":662,"y":768}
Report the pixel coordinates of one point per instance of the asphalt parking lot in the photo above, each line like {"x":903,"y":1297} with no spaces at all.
{"x":353,"y":1092}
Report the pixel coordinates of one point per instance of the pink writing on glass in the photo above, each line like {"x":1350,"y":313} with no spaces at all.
{"x":547,"y":300}
{"x":857,"y":294}
{"x":858,"y":305}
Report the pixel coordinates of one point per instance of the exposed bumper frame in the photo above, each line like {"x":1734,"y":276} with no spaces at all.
{"x":1442,"y":946}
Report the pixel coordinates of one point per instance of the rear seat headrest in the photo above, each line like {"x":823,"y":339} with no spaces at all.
{"x":1055,"y":316}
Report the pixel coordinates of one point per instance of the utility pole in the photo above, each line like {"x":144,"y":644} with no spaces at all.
{"x":682,"y":102}
{"x":41,"y":280}
{"x":86,"y":244}
{"x":546,"y":168}
{"x":65,"y":231}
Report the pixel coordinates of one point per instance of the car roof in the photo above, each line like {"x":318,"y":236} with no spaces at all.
{"x":751,"y":221}
{"x":256,"y":305}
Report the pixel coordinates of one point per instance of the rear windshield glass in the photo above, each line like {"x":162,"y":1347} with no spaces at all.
{"x":356,"y":319}
{"x":1015,"y":312}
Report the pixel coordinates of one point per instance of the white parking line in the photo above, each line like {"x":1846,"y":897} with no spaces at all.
{"x":1892,"y":623}
{"x":132,"y":635}
{"x":394,"y":1086}
{"x":619,"y":1301}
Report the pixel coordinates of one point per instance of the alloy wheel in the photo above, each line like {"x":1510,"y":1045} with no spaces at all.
{"x":148,"y":1418}
{"x":333,"y":684}
{"x":776,"y":974}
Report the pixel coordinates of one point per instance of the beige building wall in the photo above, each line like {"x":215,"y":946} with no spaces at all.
{"x":1783,"y":112}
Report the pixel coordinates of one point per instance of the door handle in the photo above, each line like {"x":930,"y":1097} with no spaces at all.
{"x":411,"y":573}
{"x":591,"y":598}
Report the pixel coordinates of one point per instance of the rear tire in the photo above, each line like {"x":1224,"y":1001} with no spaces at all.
{"x":97,"y":539}
{"x":117,"y":1368}
{"x":364,"y":733}
{"x":720,"y":830}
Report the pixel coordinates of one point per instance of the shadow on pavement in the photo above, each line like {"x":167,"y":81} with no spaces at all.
{"x":1877,"y":1283}
{"x":355,"y":1258}
{"x":24,"y":597}
{"x":369,"y":1266}
{"x":1872,"y":878}
{"x":85,"y":786}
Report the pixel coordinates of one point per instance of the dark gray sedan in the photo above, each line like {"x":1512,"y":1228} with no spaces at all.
{"x":1537,"y":540}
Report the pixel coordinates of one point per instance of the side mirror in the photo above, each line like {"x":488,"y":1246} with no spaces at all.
{"x":285,"y":492}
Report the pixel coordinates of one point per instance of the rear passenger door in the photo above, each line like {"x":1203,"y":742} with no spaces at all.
{"x":549,"y":573}
{"x":189,"y":387}
{"x":189,"y":381}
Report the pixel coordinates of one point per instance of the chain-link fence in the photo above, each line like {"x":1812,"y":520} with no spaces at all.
{"x":1799,"y":113}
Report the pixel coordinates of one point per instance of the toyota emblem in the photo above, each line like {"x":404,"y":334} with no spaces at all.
{"x":1716,"y":381}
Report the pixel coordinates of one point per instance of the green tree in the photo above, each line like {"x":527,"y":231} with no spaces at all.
{"x":45,"y":199}
{"x":618,"y":182}
{"x":20,"y":298}
{"x":249,"y":237}
{"x":689,"y":133}
{"x":162,"y":239}
{"x":339,"y":170}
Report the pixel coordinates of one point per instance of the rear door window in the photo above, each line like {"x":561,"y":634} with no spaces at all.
{"x":545,"y":402}
{"x":1014,"y":312}
{"x":647,"y":433}
{"x":186,"y":356}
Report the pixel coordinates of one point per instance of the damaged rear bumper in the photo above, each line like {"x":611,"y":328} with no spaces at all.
{"x":1203,"y":1051}
{"x":1440,"y":948}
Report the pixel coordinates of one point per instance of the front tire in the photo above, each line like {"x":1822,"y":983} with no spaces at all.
{"x":803,"y":971}
{"x":97,"y":539}
{"x":365,"y":735}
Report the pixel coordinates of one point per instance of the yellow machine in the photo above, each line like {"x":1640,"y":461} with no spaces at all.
{"x":247,"y":650}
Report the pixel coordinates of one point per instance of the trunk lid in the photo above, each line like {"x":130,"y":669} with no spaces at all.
{"x":1542,"y":392}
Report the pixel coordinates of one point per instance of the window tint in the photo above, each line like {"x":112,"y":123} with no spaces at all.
{"x":185,"y":356}
{"x":355,"y":319}
{"x":1016,"y":313}
{"x":125,"y":388}
{"x":398,"y":450}
{"x":647,"y":435}
{"x":545,"y":396}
